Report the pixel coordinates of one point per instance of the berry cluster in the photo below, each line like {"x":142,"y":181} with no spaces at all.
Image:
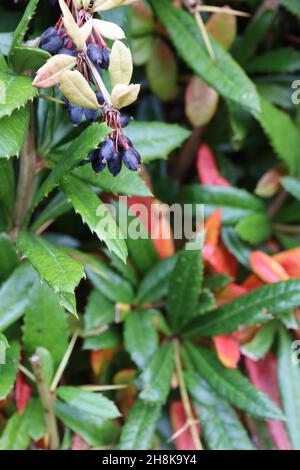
{"x":77,"y":41}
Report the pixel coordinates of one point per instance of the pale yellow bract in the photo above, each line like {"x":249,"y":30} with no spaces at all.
{"x":120,"y":67}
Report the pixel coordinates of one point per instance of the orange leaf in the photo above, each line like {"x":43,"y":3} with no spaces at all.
{"x":98,"y":359}
{"x":125,"y":397}
{"x":230,"y":292}
{"x":208,"y":172}
{"x":269,"y":183}
{"x":228,"y":350}
{"x":252,"y":282}
{"x":223,"y":27}
{"x":290,"y":261}
{"x":23,"y":392}
{"x":267,"y":268}
{"x":201,"y":102}
{"x":263,"y":375}
{"x":184,"y":440}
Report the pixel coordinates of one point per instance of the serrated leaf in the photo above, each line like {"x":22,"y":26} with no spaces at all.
{"x":111,"y":338}
{"x":12,"y":132}
{"x":61,"y":272}
{"x":23,"y":25}
{"x":258,"y":347}
{"x":154,"y":285}
{"x":15,"y":294}
{"x":110,"y":284}
{"x":18,"y":91}
{"x":254,"y":228}
{"x":34,"y":419}
{"x":156,"y":140}
{"x":289,"y":383}
{"x":156,"y":377}
{"x":140,"y":346}
{"x":78,"y":150}
{"x":139,"y":426}
{"x":222,"y":430}
{"x":90,"y":428}
{"x":95,"y":214}
{"x":28,"y":58}
{"x":224,"y":75}
{"x":94,"y":404}
{"x":282,"y":60}
{"x":98,"y":312}
{"x":248,"y":309}
{"x":231,"y":385}
{"x":216,"y":281}
{"x":8,"y":370}
{"x":184,"y":288}
{"x":45,"y":324}
{"x":8,"y":256}
{"x":240,"y":250}
{"x":282,"y":133}
{"x":15,"y":435}
{"x":234,"y":203}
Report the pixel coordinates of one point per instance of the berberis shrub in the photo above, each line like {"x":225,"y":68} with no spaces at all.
{"x":113,"y":109}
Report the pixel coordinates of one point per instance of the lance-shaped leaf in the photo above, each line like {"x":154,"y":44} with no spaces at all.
{"x":231,"y":384}
{"x":15,"y":435}
{"x":248,"y":309}
{"x":8,"y":256}
{"x":140,"y":346}
{"x":61,"y":272}
{"x":123,"y":95}
{"x":12,"y":132}
{"x":258,"y":347}
{"x":102,"y":5}
{"x":8,"y":371}
{"x":184,"y":288}
{"x":75,"y":87}
{"x":78,"y":35}
{"x":140,"y":425}
{"x":289,"y":383}
{"x":201,"y":102}
{"x":23,"y":25}
{"x":120,"y":66}
{"x":17,"y":92}
{"x":108,"y":29}
{"x":50,"y":74}
{"x":157,"y":376}
{"x":266,"y":268}
{"x":95,"y":214}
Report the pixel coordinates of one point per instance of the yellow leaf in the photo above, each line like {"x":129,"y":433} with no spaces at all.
{"x":108,"y":29}
{"x":102,"y":5}
{"x":123,"y":95}
{"x":75,"y":87}
{"x":120,"y":67}
{"x":70,"y":24}
{"x":49,"y":74}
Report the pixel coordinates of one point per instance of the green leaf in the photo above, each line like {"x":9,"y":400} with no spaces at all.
{"x":15,"y":294}
{"x":12,"y":132}
{"x":34,"y":419}
{"x":140,"y":346}
{"x":8,"y":256}
{"x":61,"y":272}
{"x":95,"y":214}
{"x":289,"y":383}
{"x":139,"y":427}
{"x":94,"y":404}
{"x":222,"y":430}
{"x":292,"y":186}
{"x":184,"y":288}
{"x":128,"y":182}
{"x":216,"y":281}
{"x":258,"y":347}
{"x":45,"y":324}
{"x":156,"y":139}
{"x":23,"y":25}
{"x":254,"y":228}
{"x":15,"y":435}
{"x":162,"y":71}
{"x":7,"y":188}
{"x":9,"y":369}
{"x":240,"y":250}
{"x":234,"y":203}
{"x":5,"y":42}
{"x":248,"y":309}
{"x":282,"y":133}
{"x":94,"y":431}
{"x":231,"y":385}
{"x":282,"y":60}
{"x":157,"y":376}
{"x":225,"y":75}
{"x":28,"y":58}
{"x":111,"y":285}
{"x":88,"y":140}
{"x":57,"y":207}
{"x":155,"y":284}
{"x":98,"y":312}
{"x":292,"y":6}
{"x":47,"y":363}
{"x":18,"y":91}
{"x":108,"y":339}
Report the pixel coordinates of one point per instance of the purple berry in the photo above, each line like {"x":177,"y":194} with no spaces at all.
{"x":115,"y":163}
{"x":105,"y":58}
{"x":131,"y":158}
{"x":94,"y":53}
{"x":91,"y":114}
{"x":98,"y":165}
{"x":100,"y":97}
{"x":106,"y":149}
{"x":67,"y":51}
{"x":125,"y":120}
{"x":48,"y":34}
{"x":52,"y":45}
{"x":75,"y":113}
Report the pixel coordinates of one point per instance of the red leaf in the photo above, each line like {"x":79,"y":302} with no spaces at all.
{"x":290,"y":261}
{"x":98,"y":359}
{"x":208,"y":172}
{"x":252,"y":282}
{"x":230,"y":292}
{"x":263,"y":375}
{"x":269,"y":183}
{"x":184,"y":440}
{"x":228,"y":350}
{"x":267,"y":268}
{"x":79,"y":444}
{"x":23,"y":392}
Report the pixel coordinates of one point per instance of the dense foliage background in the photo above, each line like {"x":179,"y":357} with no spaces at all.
{"x":172,"y":348}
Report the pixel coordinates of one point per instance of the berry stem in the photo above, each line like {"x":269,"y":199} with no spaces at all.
{"x":98,"y":79}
